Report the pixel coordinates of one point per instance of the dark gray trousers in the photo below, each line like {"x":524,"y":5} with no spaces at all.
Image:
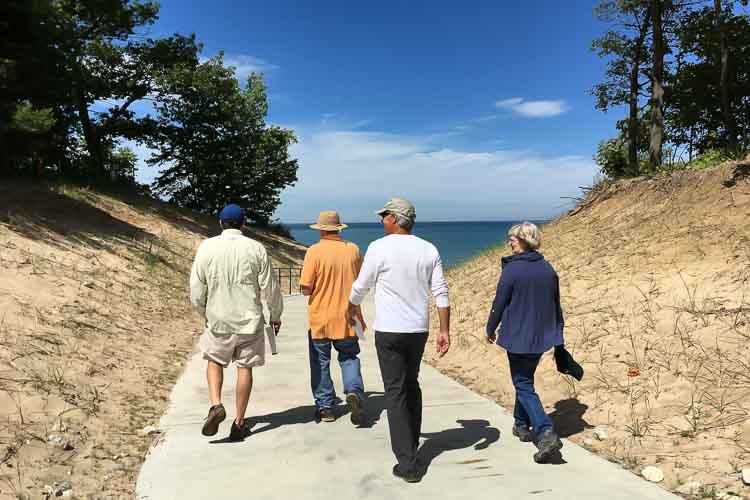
{"x":400,"y":355}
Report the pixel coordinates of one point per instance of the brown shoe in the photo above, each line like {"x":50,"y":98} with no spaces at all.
{"x":238,"y":433}
{"x":216,"y":415}
{"x":324,"y":415}
{"x":357,"y":416}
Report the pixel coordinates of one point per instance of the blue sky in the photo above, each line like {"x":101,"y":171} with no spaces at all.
{"x":474,"y":110}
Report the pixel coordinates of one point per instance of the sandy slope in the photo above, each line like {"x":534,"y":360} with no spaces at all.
{"x":94,"y":330}
{"x":655,"y":278}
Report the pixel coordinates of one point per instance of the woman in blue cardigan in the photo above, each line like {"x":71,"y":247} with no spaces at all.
{"x":527,"y":309}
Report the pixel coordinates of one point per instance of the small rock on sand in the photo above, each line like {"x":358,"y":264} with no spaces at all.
{"x":601,"y":434}
{"x":691,"y":488}
{"x":150,"y":429}
{"x":653,"y":474}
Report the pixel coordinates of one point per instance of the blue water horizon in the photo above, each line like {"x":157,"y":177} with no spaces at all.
{"x":457,"y":242}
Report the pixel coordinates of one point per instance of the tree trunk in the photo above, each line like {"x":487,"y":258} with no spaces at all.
{"x":633,"y":125}
{"x":726,"y":103}
{"x":657,"y":90}
{"x":89,"y":133}
{"x":4,"y":157}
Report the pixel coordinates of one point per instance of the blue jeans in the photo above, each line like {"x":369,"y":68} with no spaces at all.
{"x":320,"y":369}
{"x":528,"y":411}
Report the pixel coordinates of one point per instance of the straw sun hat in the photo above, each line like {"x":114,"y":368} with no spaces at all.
{"x":329,"y":221}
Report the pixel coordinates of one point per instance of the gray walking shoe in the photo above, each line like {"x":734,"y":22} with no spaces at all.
{"x":549,"y":444}
{"x":523,"y":433}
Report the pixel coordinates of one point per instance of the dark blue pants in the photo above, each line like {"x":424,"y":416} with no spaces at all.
{"x":528,"y":411}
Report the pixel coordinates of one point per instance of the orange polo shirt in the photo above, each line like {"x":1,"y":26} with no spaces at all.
{"x":330,"y":268}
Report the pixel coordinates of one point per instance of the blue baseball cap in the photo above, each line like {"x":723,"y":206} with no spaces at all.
{"x":232,"y":212}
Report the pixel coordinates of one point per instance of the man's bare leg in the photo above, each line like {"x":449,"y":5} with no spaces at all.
{"x":244,"y":387}
{"x":215,"y":375}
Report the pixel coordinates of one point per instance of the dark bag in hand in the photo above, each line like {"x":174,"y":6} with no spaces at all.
{"x":566,"y":364}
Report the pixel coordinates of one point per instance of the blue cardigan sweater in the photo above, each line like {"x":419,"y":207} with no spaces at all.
{"x":527,"y":305}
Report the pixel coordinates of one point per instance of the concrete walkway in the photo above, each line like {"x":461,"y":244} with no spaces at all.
{"x":289,"y":456}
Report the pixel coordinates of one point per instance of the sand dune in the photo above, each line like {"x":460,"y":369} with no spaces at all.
{"x":655,"y":282}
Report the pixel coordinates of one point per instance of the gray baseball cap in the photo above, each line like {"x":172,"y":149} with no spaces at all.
{"x":399,"y":206}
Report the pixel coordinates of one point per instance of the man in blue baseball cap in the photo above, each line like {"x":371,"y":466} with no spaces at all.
{"x":230,"y":275}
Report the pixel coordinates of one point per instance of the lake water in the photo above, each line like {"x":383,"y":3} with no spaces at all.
{"x":456,"y":241}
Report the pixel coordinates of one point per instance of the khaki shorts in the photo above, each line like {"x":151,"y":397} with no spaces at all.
{"x":246,"y":351}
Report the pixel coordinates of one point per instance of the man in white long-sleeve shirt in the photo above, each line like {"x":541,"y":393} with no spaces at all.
{"x":404,"y":270}
{"x":230,"y":274}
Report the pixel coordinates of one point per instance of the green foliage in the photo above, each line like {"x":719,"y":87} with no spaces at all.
{"x":707,"y":159}
{"x":214,"y":145}
{"x":706,"y":83}
{"x":28,"y":120}
{"x":612,"y":158}
{"x":60,"y":58}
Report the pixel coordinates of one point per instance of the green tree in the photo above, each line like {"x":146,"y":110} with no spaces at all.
{"x":626,"y":77}
{"x":214,"y":146}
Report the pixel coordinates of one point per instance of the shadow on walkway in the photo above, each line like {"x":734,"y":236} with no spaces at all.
{"x":568,"y":417}
{"x":374,"y":408}
{"x":476,"y":433}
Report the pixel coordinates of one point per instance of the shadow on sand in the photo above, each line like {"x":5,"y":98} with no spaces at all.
{"x":568,"y":417}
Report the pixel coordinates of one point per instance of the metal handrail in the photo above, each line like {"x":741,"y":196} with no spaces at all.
{"x":284,"y":273}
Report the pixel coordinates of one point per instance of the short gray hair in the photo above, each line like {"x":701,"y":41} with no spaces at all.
{"x":404,"y":222}
{"x":528,"y":233}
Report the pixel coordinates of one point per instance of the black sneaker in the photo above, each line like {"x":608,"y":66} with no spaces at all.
{"x":238,"y":433}
{"x":549,"y":444}
{"x":324,"y":415}
{"x":358,"y":414}
{"x":409,"y":477}
{"x":523,"y":433}
{"x":216,"y":415}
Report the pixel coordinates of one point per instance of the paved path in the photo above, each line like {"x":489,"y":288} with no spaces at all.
{"x":289,"y":456}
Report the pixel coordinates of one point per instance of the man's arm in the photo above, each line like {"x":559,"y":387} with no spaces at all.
{"x":198,"y":288}
{"x":308,"y":274}
{"x":271,"y":291}
{"x":368,"y":275}
{"x":440,"y":292}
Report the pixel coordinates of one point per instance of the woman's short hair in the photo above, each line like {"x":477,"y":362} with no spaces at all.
{"x":528,"y":233}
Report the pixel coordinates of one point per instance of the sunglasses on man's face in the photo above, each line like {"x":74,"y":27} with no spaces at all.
{"x":383,"y":216}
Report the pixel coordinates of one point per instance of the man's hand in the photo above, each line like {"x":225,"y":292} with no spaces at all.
{"x":351,"y":313}
{"x":443,"y":342}
{"x":492,"y":338}
{"x":276,"y":325}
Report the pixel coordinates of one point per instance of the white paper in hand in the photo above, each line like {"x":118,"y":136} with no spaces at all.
{"x":271,"y":338}
{"x":358,"y":329}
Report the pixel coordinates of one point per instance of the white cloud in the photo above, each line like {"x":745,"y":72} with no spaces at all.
{"x":534,"y":109}
{"x":355,"y":171}
{"x":245,"y":64}
{"x":487,"y":118}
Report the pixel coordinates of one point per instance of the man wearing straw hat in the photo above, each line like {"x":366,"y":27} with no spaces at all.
{"x":329,"y":269}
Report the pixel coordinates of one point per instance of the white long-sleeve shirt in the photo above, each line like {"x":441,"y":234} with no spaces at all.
{"x":230,"y":274}
{"x":404,"y":270}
